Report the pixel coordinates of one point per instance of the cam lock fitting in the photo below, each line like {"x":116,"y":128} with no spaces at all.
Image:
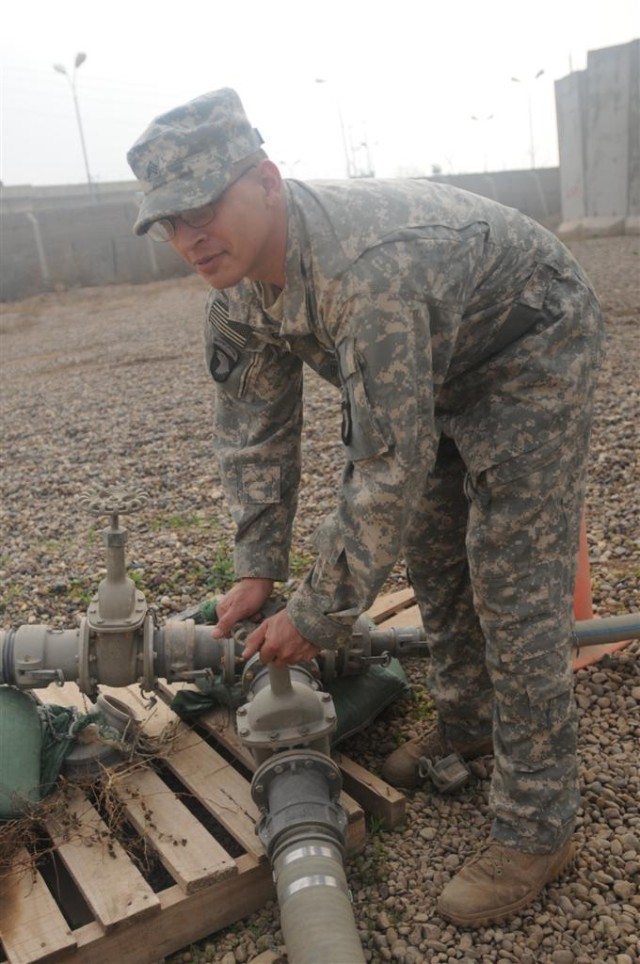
{"x":447,"y":774}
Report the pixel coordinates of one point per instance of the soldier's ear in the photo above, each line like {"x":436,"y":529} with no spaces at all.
{"x":271,"y":180}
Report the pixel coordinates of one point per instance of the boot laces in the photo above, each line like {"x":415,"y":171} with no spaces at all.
{"x":495,"y":855}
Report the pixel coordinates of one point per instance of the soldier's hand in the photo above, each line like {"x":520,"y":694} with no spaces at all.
{"x":245,"y":599}
{"x":279,"y":642}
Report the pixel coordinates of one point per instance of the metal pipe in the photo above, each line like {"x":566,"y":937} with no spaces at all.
{"x":34,"y":656}
{"x":609,"y":629}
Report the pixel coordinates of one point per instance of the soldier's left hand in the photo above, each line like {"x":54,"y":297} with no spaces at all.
{"x":279,"y":642}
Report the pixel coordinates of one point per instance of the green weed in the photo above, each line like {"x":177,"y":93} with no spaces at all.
{"x":178,"y":520}
{"x":222,"y":573}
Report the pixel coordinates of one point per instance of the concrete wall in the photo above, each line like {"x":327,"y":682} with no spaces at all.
{"x":598,"y":112}
{"x":536,"y":193}
{"x":57,"y":241}
{"x":60,"y":237}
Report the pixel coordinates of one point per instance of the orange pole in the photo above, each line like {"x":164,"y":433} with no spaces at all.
{"x":583,"y":599}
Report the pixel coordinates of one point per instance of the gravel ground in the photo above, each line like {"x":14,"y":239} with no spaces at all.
{"x":106,"y":387}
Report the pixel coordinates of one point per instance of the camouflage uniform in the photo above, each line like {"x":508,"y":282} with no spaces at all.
{"x":465,"y":340}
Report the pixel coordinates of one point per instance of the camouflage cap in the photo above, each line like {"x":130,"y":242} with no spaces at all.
{"x":185,"y":157}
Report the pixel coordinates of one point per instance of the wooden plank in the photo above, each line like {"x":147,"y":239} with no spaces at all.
{"x":183,"y":919}
{"x":408,"y":617}
{"x":386,"y":606}
{"x":31,"y":926}
{"x":376,"y":796}
{"x":111,"y":884}
{"x":188,"y":851}
{"x":224,"y":792}
{"x":66,"y":695}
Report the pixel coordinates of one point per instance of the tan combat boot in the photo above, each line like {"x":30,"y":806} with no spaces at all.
{"x":499,"y":881}
{"x":402,"y":767}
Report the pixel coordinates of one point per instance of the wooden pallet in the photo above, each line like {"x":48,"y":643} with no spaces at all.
{"x":195,"y":817}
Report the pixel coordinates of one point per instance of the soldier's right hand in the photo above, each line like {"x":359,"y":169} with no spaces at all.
{"x":244,"y":600}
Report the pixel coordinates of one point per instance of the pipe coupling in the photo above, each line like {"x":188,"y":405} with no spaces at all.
{"x":297,"y":792}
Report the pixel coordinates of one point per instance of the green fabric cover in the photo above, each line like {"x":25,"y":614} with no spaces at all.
{"x":60,"y":727}
{"x":20,"y":745}
{"x":34,"y":742}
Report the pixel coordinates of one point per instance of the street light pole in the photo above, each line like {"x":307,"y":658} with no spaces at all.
{"x":61,"y":69}
{"x":529,"y":85}
{"x":484,"y":121}
{"x":343,"y":133}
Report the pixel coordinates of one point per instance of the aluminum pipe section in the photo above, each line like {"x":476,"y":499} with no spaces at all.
{"x":610,"y":629}
{"x":34,"y":656}
{"x":303,"y":831}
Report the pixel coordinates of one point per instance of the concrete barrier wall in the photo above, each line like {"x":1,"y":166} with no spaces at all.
{"x":52,"y":248}
{"x":55,"y":238}
{"x":598,"y":112}
{"x":534,"y":192}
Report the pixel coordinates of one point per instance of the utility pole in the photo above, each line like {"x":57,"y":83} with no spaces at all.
{"x":61,"y":69}
{"x":529,"y":86}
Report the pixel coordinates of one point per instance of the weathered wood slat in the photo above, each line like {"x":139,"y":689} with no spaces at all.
{"x":182,"y":920}
{"x":387,"y":606}
{"x":218,"y":723}
{"x":111,"y":884}
{"x":188,"y":851}
{"x":376,"y":796}
{"x":31,"y":926}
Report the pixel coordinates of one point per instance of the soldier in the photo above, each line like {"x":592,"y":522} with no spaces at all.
{"x":465,"y":340}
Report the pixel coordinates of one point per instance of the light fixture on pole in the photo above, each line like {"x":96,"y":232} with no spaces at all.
{"x":61,"y":69}
{"x":529,"y":85}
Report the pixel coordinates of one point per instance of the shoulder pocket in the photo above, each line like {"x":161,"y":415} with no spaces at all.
{"x":362,"y":433}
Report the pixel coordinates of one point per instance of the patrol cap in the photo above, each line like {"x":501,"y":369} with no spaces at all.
{"x":185,"y":157}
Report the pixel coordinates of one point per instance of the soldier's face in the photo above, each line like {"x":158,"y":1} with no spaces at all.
{"x":243,"y":240}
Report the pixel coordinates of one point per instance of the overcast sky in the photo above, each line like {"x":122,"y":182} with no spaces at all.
{"x":405,"y":78}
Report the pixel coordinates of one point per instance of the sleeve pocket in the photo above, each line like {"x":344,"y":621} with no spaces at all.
{"x":328,"y":541}
{"x":534,"y":293}
{"x":259,"y":484}
{"x":362,"y":434}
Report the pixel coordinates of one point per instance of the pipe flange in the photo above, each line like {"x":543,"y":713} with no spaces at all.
{"x":86,"y":684}
{"x":293,"y":761}
{"x":229,"y":661}
{"x":329,"y":672}
{"x":149,"y":679}
{"x":7,"y":668}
